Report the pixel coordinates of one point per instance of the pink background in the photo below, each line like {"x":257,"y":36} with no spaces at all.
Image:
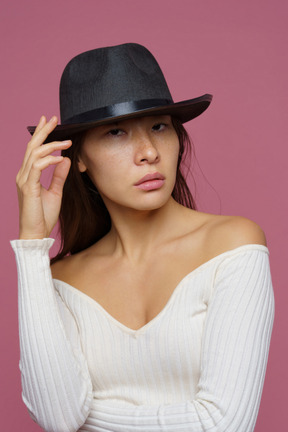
{"x":236,"y":50}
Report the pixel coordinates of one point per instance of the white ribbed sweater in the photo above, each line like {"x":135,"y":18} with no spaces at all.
{"x":199,"y":365}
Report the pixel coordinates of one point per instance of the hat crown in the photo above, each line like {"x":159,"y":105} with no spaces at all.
{"x":106,"y":76}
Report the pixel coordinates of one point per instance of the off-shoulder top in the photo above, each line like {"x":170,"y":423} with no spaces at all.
{"x":199,"y":365}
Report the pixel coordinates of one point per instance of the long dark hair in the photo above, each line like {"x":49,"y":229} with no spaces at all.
{"x":84,"y":218}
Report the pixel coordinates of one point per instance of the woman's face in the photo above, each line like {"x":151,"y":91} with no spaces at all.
{"x":119,"y":156}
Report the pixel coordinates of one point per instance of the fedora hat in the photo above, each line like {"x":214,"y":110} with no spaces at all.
{"x":113,"y":84}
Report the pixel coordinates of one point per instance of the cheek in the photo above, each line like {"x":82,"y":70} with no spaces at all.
{"x":106,"y":168}
{"x":173,"y":154}
{"x":177,"y":149}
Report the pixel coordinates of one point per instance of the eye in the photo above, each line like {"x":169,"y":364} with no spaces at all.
{"x":115,"y":132}
{"x":158,"y":127}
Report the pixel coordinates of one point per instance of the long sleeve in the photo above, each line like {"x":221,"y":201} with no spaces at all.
{"x":233,"y":361}
{"x":56,"y":385}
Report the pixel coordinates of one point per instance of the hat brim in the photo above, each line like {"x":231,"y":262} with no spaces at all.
{"x":184,"y":111}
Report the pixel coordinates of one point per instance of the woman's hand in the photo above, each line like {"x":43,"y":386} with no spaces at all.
{"x":39,"y":207}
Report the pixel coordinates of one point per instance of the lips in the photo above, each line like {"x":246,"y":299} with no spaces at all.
{"x":150,"y":177}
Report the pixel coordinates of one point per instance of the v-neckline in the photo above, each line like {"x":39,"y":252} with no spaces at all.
{"x":143,"y":328}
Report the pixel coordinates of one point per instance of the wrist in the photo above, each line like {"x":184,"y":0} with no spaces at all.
{"x":31,"y":236}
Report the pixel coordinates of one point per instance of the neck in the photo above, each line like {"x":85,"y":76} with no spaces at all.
{"x":135,"y":234}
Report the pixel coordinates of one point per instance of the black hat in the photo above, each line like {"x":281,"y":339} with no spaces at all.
{"x":116,"y":83}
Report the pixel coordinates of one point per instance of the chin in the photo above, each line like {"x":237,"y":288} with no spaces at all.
{"x":150,"y":203}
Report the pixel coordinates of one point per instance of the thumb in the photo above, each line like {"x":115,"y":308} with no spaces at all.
{"x":59,"y":176}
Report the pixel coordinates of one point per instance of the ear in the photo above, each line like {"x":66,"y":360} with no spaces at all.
{"x":81,"y":165}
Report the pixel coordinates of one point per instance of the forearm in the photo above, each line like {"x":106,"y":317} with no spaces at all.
{"x":56,"y":384}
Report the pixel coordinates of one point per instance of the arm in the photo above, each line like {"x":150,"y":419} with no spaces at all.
{"x":56,"y":385}
{"x":234,"y":357}
{"x":238,"y":326}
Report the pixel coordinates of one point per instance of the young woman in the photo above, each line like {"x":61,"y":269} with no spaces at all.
{"x":156,"y":317}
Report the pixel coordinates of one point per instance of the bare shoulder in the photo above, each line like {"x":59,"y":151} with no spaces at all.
{"x":234,"y":231}
{"x":219,"y":233}
{"x":58,"y":268}
{"x":66,"y":266}
{"x":71,"y":268}
{"x":240,"y":231}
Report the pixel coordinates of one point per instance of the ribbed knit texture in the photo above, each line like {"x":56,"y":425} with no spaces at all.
{"x":199,"y":365}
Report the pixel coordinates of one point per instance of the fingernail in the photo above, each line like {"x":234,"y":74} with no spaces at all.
{"x":53,"y":118}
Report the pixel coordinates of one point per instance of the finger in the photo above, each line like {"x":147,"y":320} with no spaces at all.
{"x":38,"y":166}
{"x":42,"y":133}
{"x":47,"y":149}
{"x":42,"y":151}
{"x":44,"y":129}
{"x":39,"y":153}
{"x":40,"y":124}
{"x":59,"y":176}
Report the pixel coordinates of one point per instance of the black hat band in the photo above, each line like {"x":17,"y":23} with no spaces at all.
{"x":117,"y":110}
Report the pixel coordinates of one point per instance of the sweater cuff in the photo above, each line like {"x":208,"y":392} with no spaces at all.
{"x":40,"y":244}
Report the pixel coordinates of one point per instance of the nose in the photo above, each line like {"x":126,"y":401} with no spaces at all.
{"x":146,"y":151}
